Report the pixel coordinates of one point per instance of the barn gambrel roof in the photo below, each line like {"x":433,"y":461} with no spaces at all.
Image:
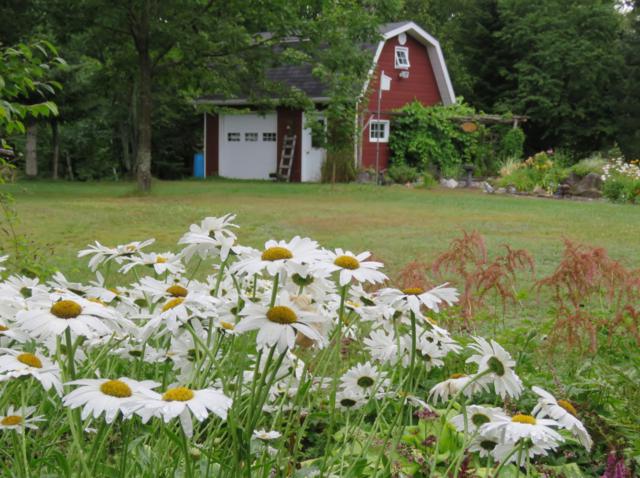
{"x":300,"y":77}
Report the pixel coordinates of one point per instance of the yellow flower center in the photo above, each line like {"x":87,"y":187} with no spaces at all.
{"x":276,"y":253}
{"x":66,"y":309}
{"x":11,"y":420}
{"x":281,"y":314}
{"x":457,"y":375}
{"x":227,"y":325}
{"x":3,"y":328}
{"x":178,"y":394}
{"x":161,"y":260}
{"x":412,"y":291}
{"x":347,"y":262}
{"x":568,"y":407}
{"x":116,"y":388}
{"x":172,"y":303}
{"x":30,"y":360}
{"x":177,"y":291}
{"x":520,"y":418}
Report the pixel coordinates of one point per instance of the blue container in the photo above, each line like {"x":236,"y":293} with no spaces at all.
{"x":198,"y":165}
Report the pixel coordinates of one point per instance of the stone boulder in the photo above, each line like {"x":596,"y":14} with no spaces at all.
{"x":449,"y":183}
{"x":588,"y":187}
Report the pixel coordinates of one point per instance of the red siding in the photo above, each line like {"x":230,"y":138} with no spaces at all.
{"x":291,"y":120}
{"x":421,"y":85}
{"x":212,"y":146}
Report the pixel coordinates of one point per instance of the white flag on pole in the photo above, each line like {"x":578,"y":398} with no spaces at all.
{"x":385,"y":82}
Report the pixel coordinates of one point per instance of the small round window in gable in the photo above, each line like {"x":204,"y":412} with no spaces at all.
{"x":402,"y":38}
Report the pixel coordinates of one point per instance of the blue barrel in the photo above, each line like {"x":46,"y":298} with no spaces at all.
{"x":198,"y":165}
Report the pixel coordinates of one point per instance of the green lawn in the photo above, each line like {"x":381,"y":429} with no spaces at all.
{"x":396,"y":223}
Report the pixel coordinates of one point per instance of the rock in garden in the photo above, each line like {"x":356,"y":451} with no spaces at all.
{"x":488,"y":188}
{"x":449,"y":183}
{"x":589,"y":187}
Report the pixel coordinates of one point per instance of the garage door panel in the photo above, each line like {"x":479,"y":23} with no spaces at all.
{"x":248,"y":146}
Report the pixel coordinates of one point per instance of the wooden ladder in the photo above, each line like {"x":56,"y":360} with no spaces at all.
{"x":286,"y":158}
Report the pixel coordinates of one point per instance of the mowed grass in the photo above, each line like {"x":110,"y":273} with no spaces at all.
{"x":396,"y":223}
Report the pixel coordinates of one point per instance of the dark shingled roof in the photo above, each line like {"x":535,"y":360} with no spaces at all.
{"x":296,"y":77}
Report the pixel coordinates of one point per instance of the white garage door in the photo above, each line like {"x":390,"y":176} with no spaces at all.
{"x":248,"y":146}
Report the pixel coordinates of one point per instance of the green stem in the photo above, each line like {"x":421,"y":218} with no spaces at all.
{"x":187,"y":458}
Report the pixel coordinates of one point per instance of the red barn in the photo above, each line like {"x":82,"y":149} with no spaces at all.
{"x":252,"y":145}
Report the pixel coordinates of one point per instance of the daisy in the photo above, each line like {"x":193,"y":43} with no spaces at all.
{"x":476,"y":417}
{"x":352,"y":267}
{"x":19,"y":419}
{"x":364,"y":379}
{"x":266,"y":435}
{"x":9,"y":334}
{"x":278,"y":325}
{"x":279,"y":256}
{"x":482,"y":445}
{"x":455,"y":384}
{"x":102,"y":254}
{"x":430,"y":354}
{"x":109,"y":396}
{"x":182,"y":402}
{"x":166,"y":262}
{"x":517,"y":452}
{"x":415,"y":298}
{"x":347,"y":400}
{"x":564,"y":413}
{"x":383,"y":347}
{"x":497,"y":364}
{"x":83,"y":317}
{"x":15,"y":364}
{"x":212,"y":237}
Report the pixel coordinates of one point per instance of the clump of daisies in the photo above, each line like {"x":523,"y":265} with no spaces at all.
{"x":219,"y":346}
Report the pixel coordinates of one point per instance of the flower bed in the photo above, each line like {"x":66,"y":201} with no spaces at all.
{"x":147,"y":370}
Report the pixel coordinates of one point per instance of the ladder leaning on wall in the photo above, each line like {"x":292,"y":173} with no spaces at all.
{"x":286,"y":158}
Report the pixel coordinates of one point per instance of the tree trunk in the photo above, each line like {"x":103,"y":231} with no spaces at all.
{"x":125,"y":141}
{"x":143,"y":147}
{"x":31,"y":153}
{"x":69,"y":168}
{"x":55,"y":139}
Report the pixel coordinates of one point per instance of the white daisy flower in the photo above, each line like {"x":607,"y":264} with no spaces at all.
{"x":364,"y":379}
{"x":498,"y":364}
{"x":15,"y":364}
{"x":564,"y":413}
{"x":9,"y":334}
{"x":484,"y":446}
{"x":453,"y":385}
{"x":166,"y":262}
{"x":84,"y":317}
{"x":109,"y":396}
{"x":383,"y":347}
{"x":430,"y":353}
{"x":352,"y":267}
{"x":476,"y":417}
{"x":102,"y":254}
{"x":182,"y":402}
{"x":19,"y":419}
{"x":347,"y":400}
{"x":279,"y":257}
{"x":266,"y":435}
{"x":212,"y":237}
{"x":414,"y":298}
{"x":537,"y":431}
{"x":514,"y":453}
{"x":279,"y":324}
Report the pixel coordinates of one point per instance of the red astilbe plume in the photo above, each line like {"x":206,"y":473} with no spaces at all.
{"x":590,"y":290}
{"x":467,"y":261}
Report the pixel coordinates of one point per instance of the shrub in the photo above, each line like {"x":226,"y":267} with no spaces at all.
{"x":592,"y":164}
{"x":621,"y":181}
{"x":402,"y":174}
{"x":338,"y":166}
{"x":428,"y":181}
{"x":512,"y":144}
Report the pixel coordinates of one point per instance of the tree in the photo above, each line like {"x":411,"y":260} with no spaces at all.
{"x":628,"y":107}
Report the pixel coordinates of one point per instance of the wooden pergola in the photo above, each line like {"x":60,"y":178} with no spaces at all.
{"x":514,"y":120}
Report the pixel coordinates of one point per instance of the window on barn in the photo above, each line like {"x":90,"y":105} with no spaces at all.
{"x":233,"y":137}
{"x":251,"y":136}
{"x":269,"y":137}
{"x":379,"y":131}
{"x":402,"y":57}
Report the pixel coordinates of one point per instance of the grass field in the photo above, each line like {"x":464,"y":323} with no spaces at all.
{"x":397,"y":224}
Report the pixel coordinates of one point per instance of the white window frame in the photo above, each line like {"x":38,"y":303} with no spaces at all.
{"x":385,"y":131}
{"x":402,"y":65}
{"x":250,"y":136}
{"x":237,"y":137}
{"x":269,"y":137}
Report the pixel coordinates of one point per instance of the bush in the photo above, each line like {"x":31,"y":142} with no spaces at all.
{"x":512,"y":144}
{"x":621,"y":180}
{"x":592,"y":164}
{"x":402,"y":174}
{"x":338,"y":166}
{"x":428,"y":181}
{"x":541,"y":170}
